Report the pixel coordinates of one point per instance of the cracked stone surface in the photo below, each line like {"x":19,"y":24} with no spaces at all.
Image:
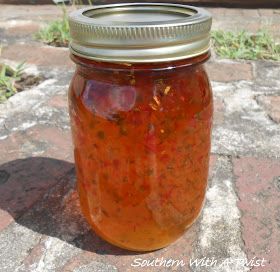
{"x":41,"y":226}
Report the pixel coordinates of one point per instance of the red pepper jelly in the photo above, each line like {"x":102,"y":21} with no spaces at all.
{"x":141,"y":110}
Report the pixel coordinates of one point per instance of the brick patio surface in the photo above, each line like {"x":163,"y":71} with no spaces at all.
{"x":41,"y":227}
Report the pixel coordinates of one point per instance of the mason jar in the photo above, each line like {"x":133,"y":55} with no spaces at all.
{"x":140,"y":104}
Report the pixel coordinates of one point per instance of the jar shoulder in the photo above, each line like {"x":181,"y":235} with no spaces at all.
{"x":107,"y":93}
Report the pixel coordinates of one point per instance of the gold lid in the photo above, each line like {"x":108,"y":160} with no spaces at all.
{"x":140,"y":32}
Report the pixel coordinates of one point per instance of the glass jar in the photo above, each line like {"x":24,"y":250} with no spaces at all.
{"x":141,"y":120}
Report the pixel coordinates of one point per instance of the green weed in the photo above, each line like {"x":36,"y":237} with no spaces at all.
{"x":56,"y":33}
{"x":8,"y":78}
{"x":244,"y":45}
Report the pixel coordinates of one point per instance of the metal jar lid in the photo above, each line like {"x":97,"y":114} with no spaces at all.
{"x":140,"y":32}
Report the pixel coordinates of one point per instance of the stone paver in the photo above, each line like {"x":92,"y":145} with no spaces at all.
{"x":258,"y":187}
{"x":271,"y":104}
{"x":228,"y":71}
{"x":38,"y":55}
{"x":41,"y":226}
{"x":220,"y":227}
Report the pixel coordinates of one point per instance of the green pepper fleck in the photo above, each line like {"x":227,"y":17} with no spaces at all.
{"x":101,"y":135}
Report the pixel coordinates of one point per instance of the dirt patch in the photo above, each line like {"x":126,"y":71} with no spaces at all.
{"x":27,"y":81}
{"x":58,"y":43}
{"x":14,"y":80}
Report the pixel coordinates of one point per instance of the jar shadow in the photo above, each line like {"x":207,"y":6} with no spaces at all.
{"x":40,"y":193}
